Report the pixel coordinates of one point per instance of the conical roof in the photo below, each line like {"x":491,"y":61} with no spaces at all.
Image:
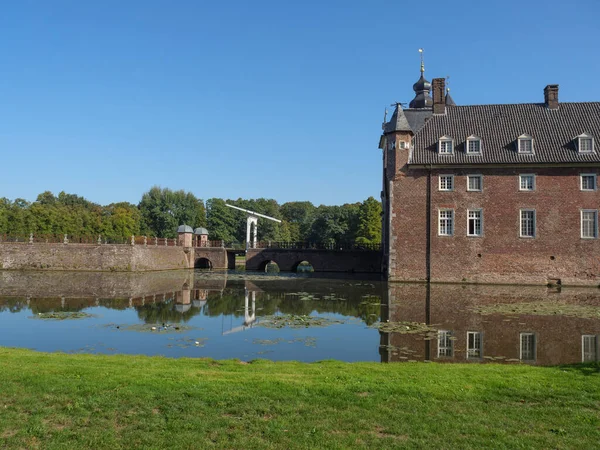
{"x":449,"y":101}
{"x":398,"y":121}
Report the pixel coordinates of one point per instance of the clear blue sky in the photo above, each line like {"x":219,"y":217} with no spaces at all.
{"x":253,"y":99}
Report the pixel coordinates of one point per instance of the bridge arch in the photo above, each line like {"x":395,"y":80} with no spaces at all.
{"x":264,"y":265}
{"x":203,"y":263}
{"x":303,"y":266}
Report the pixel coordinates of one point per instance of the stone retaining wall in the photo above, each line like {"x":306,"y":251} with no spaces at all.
{"x":89,"y":257}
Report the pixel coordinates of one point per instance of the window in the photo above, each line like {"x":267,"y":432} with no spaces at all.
{"x":525,"y":144}
{"x":588,"y":181}
{"x":473,"y":145}
{"x":446,"y":182}
{"x":475,"y":223}
{"x":589,"y":223}
{"x":474,"y":182}
{"x":527,"y":347}
{"x":446,"y":222}
{"x":527,"y":223}
{"x":474,"y":345}
{"x":527,"y":182}
{"x":585,"y":143}
{"x":589,"y":348}
{"x":446,"y":145}
{"x":445,"y":343}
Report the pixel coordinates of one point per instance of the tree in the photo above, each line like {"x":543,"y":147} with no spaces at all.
{"x":163,"y":210}
{"x":221,"y":220}
{"x":369,"y":229}
{"x":300,"y":216}
{"x":121,"y":220}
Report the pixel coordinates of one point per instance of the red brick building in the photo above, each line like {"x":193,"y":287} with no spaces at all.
{"x":491,"y":193}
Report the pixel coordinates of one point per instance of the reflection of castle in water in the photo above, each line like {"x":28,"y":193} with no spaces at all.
{"x":464,"y":334}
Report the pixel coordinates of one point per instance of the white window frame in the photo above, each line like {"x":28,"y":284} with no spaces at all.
{"x":475,"y":175}
{"x":480,"y":211}
{"x":595,"y":345}
{"x":583,"y":137}
{"x":522,"y":138}
{"x":521,"y":175}
{"x":447,"y":350}
{"x":594,"y":176}
{"x":446,"y":139}
{"x":595,"y":212}
{"x":451,"y":233}
{"x":473,"y":138}
{"x":534,"y":350}
{"x":521,"y":211}
{"x":440,"y":182}
{"x":470,"y":350}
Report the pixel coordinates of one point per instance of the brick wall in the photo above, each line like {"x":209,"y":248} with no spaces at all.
{"x":500,"y":255}
{"x":111,"y":258}
{"x":216,"y":256}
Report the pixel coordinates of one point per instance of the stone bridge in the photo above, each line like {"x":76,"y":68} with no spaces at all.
{"x":322,"y":260}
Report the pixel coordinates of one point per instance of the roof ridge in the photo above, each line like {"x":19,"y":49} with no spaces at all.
{"x":523,"y":104}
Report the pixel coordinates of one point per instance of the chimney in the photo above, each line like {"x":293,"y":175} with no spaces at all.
{"x":439,"y":101}
{"x":551,"y":96}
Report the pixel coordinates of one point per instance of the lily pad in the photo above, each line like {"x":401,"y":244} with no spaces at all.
{"x":63,"y":315}
{"x":546,"y":308}
{"x":151,"y":328}
{"x":405,"y":328}
{"x":296,"y":321}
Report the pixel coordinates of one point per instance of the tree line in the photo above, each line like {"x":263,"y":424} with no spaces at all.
{"x":161,"y":210}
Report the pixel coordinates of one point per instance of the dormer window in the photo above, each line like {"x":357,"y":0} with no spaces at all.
{"x":446,"y":145}
{"x":585,"y":143}
{"x":526,"y":144}
{"x":473,"y":145}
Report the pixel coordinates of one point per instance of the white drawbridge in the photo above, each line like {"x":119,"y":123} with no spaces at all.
{"x":252,"y":221}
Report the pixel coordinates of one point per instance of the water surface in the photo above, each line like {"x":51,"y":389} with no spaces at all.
{"x":246,"y":316}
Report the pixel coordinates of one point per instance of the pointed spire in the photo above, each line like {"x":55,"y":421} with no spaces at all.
{"x":449,"y":101}
{"x":398,"y":121}
{"x":421,"y":87}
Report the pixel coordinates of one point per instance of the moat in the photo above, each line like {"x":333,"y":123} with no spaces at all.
{"x":296,"y":317}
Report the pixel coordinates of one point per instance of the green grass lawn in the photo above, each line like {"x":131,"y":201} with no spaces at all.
{"x":53,"y":400}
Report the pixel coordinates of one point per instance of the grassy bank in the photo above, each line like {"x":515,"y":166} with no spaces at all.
{"x":74,"y":401}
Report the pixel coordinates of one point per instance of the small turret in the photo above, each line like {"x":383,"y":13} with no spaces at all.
{"x":449,"y":101}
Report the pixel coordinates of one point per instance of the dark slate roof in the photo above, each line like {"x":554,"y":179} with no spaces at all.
{"x":397,"y":122}
{"x":417,"y":117}
{"x":407,"y":119}
{"x":554,"y":133}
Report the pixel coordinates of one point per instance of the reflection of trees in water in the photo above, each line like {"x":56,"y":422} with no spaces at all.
{"x":165,"y":311}
{"x":13,"y":304}
{"x":232,"y":303}
{"x":227,"y":302}
{"x":44,"y":305}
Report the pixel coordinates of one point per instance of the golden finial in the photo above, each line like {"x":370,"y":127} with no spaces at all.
{"x":422,"y":63}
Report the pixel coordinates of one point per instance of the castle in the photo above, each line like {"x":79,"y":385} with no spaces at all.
{"x":491,"y":193}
